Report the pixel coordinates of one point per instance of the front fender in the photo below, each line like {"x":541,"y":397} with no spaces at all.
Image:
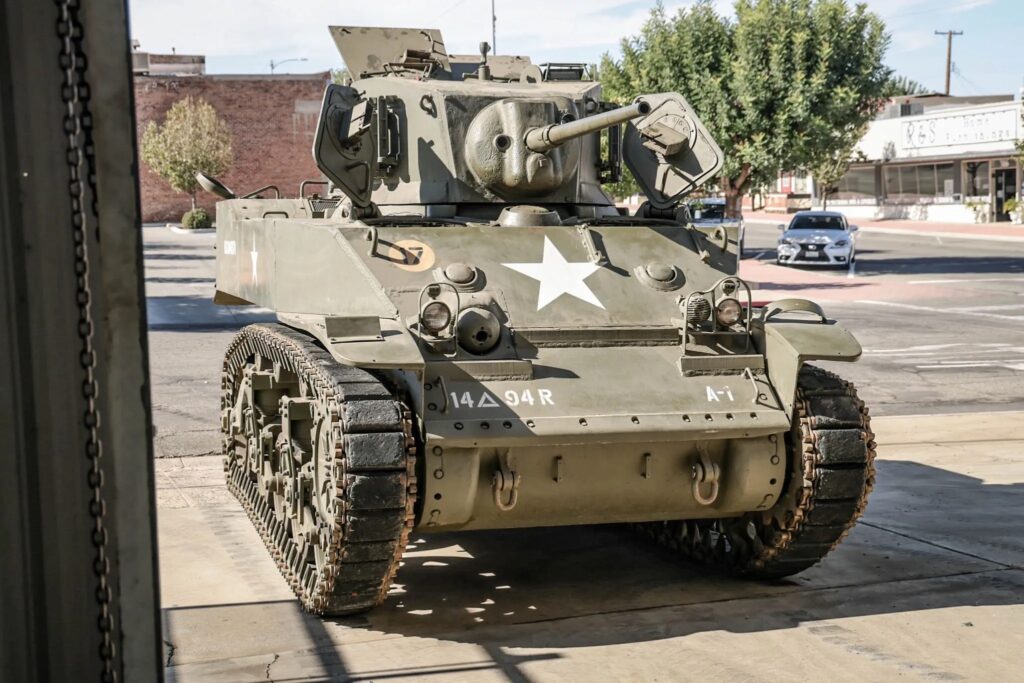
{"x":788,"y":343}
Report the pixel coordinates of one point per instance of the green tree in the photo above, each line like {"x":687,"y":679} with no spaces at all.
{"x":900,"y":86}
{"x":830,"y":168}
{"x":192,"y":138}
{"x":771,"y":86}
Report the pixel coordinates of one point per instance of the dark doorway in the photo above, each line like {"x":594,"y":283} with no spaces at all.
{"x":1004,"y":181}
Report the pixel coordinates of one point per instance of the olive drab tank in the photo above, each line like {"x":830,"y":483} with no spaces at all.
{"x":472,"y":336}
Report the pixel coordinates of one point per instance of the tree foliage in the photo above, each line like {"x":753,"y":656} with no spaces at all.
{"x":900,"y":86}
{"x":829,"y":168}
{"x":192,"y":138}
{"x":779,"y":87}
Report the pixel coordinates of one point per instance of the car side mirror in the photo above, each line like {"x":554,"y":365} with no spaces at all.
{"x":781,"y":227}
{"x":853,"y":228}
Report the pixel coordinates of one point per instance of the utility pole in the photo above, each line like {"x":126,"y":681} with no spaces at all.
{"x":949,"y":52}
{"x":494,"y":30}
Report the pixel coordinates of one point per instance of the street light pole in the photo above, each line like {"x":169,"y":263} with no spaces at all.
{"x":274,"y":65}
{"x":494,"y":30}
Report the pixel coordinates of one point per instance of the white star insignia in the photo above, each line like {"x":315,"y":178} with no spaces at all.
{"x":557,"y":276}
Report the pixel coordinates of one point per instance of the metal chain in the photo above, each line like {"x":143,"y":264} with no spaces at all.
{"x":81,"y":161}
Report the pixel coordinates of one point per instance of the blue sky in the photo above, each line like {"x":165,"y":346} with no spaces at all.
{"x":242,"y":36}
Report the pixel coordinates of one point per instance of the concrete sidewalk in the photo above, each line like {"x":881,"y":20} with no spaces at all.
{"x":990,"y":232}
{"x":929,"y":585}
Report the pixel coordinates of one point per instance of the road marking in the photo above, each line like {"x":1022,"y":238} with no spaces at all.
{"x":934,"y":349}
{"x":965,"y":280}
{"x":1004,"y":307}
{"x":943,"y":311}
{"x":953,"y":356}
{"x":993,"y":364}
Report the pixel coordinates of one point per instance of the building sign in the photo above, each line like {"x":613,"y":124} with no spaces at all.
{"x":952,"y":130}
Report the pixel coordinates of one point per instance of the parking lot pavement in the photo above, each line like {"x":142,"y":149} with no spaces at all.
{"x":930,"y":585}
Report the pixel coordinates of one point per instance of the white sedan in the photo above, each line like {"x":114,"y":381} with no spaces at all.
{"x":817,"y":238}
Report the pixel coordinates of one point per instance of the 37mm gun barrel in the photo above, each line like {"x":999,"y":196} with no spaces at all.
{"x":543,"y":138}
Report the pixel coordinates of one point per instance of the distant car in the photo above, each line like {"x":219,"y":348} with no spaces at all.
{"x":817,"y":238}
{"x":709,"y":212}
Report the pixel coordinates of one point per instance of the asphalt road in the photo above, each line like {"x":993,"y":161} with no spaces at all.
{"x":927,"y":586}
{"x":941,"y":319}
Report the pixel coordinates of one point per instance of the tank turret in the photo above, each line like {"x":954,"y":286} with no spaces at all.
{"x":420,"y":129}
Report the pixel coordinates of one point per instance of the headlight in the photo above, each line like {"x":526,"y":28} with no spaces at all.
{"x":728,"y":312}
{"x":436,"y":317}
{"x":841,"y":243}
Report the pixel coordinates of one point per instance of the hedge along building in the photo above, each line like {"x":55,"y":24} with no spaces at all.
{"x":935,"y":158}
{"x":272,"y":119}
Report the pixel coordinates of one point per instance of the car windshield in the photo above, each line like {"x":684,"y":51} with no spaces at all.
{"x":706,"y":212}
{"x":818,"y":223}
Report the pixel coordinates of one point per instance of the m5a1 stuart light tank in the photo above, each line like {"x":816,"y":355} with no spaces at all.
{"x":472,"y":336}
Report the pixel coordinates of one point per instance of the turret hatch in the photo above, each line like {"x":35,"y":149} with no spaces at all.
{"x":669,"y":150}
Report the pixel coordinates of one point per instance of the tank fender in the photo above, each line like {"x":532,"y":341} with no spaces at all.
{"x":787,"y":343}
{"x":362,"y":341}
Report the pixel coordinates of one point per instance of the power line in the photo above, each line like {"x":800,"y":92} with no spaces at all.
{"x":450,"y":8}
{"x":949,"y":52}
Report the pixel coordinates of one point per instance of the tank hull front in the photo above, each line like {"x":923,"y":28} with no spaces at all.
{"x":597,"y":435}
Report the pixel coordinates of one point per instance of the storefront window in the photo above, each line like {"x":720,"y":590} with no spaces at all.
{"x":923,"y":181}
{"x":944,"y":180}
{"x":858,"y":183}
{"x":976,"y":178}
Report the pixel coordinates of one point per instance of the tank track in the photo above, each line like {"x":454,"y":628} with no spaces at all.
{"x":831,"y":451}
{"x":337,"y":513}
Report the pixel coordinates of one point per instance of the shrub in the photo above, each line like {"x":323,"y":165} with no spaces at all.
{"x":196,"y":219}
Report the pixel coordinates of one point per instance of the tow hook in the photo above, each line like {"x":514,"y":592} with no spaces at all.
{"x":505,"y":484}
{"x":705,"y":472}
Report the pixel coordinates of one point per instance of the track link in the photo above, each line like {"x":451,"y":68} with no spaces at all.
{"x":831,"y":452}
{"x":334,"y":503}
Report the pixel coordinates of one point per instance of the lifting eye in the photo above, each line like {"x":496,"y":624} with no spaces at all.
{"x":502,"y":142}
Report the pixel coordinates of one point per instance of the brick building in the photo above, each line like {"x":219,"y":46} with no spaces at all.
{"x":272,"y":119}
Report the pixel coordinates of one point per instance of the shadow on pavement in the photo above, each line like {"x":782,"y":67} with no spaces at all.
{"x":176,"y":257}
{"x":198,"y":313}
{"x":594,"y":586}
{"x":453,"y":585}
{"x":935,"y":265}
{"x":182,"y":280}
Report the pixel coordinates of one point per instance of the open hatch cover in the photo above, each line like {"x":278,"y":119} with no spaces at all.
{"x":669,"y":151}
{"x":370,"y":50}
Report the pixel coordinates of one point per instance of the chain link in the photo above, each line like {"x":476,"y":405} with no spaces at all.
{"x":81,"y":161}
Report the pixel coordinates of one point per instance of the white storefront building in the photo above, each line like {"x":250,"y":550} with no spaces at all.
{"x":936,"y":159}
